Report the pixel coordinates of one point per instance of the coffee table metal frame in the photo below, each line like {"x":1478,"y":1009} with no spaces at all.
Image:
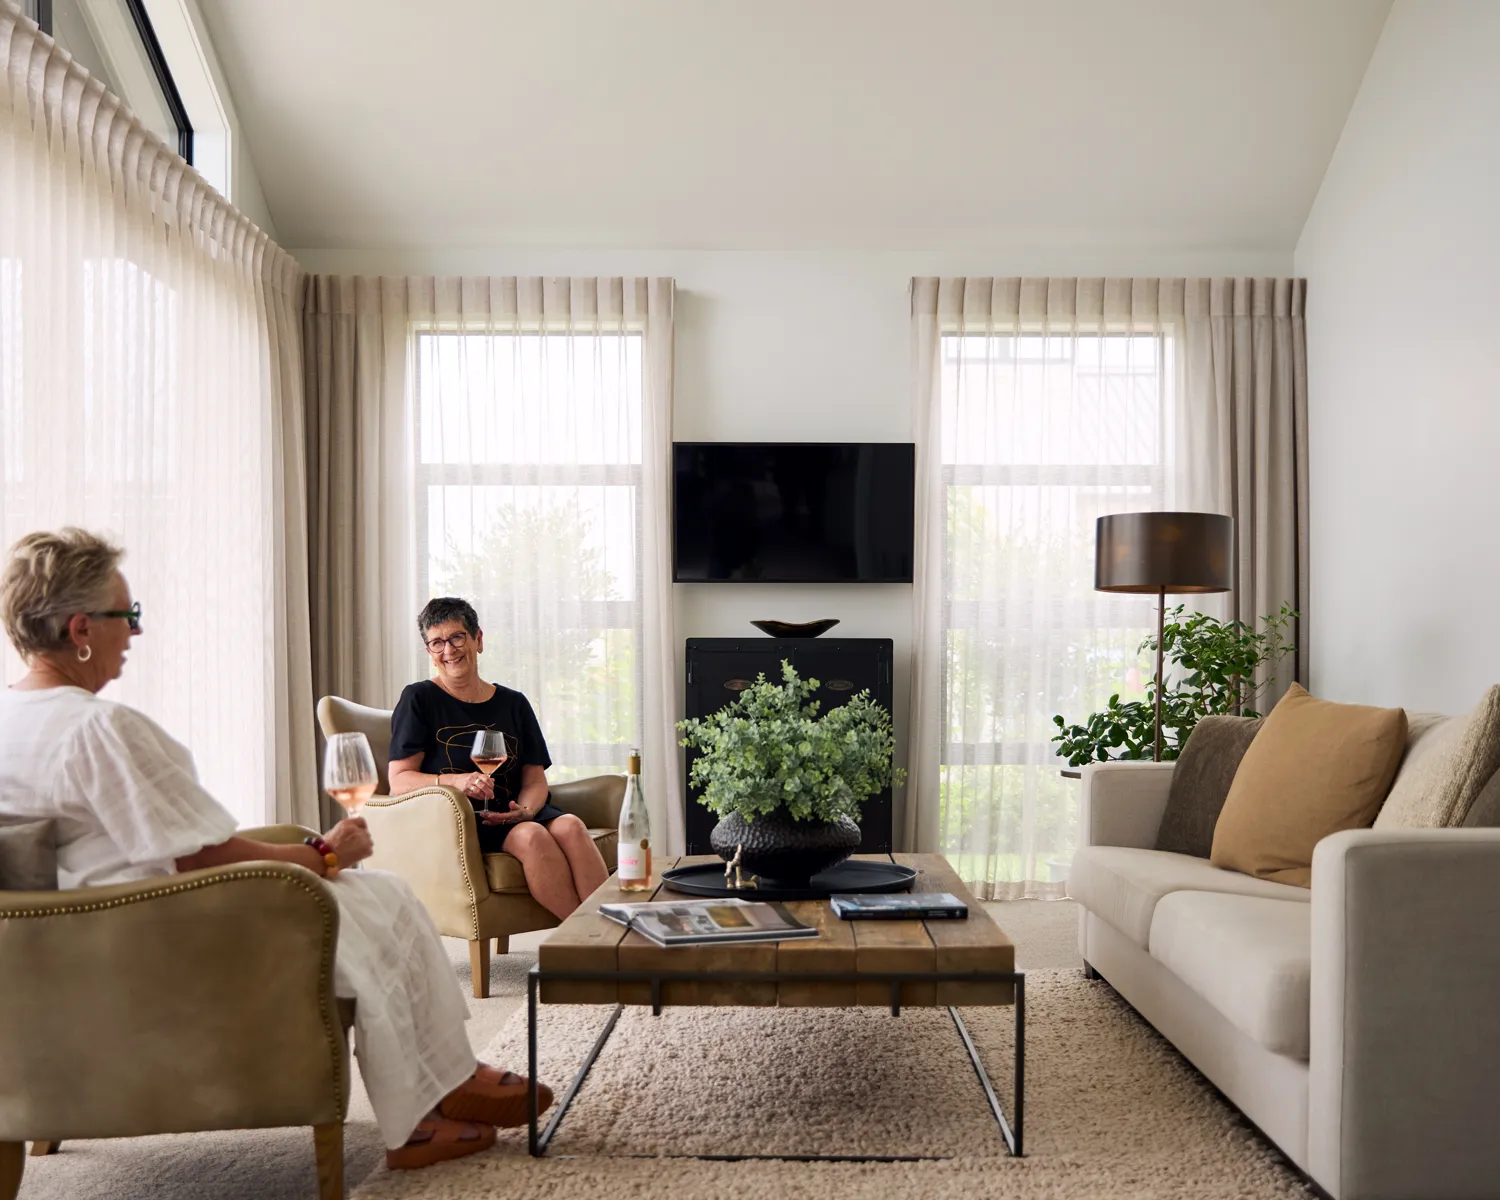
{"x":1012,"y":1133}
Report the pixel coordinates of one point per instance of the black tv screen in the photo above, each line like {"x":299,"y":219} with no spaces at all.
{"x":793,"y":512}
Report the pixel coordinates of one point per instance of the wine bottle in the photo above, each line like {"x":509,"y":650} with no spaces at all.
{"x":634,"y":847}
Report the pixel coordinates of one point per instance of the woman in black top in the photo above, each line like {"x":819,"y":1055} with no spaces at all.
{"x":432,"y":732}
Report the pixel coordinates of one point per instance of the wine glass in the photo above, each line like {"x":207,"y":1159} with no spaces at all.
{"x":349,"y":774}
{"x":489,"y":753}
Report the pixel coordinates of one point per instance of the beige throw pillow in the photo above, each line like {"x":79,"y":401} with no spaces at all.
{"x":1315,"y":768}
{"x":1445,"y":769}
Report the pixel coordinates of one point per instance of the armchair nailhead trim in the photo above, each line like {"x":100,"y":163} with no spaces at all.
{"x":327,"y":1002}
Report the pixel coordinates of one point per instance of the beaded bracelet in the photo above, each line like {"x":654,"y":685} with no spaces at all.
{"x":330,"y":858}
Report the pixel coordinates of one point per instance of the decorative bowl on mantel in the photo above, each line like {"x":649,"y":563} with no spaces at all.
{"x":792,"y":629}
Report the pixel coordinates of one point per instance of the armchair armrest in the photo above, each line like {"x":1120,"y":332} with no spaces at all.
{"x":427,"y":837}
{"x":277,"y":835}
{"x":596,"y":801}
{"x":181,"y":1003}
{"x":1123,"y":802}
{"x":1405,"y":1062}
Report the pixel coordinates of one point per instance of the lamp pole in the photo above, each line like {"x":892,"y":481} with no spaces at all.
{"x":1161,"y":625}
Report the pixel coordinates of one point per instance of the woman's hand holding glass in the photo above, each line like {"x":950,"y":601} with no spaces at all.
{"x":350,"y":840}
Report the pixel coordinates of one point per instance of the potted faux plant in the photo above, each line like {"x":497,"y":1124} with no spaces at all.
{"x":1218,"y":662}
{"x":786,"y":783}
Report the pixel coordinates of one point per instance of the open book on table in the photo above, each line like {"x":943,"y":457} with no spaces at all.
{"x":699,"y":922}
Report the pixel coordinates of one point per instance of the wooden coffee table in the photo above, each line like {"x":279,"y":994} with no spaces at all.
{"x":590,"y":959}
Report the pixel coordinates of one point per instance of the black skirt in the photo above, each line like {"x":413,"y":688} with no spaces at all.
{"x":492,"y":837}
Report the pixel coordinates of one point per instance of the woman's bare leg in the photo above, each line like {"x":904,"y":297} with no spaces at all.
{"x":584,"y":859}
{"x":548,"y":876}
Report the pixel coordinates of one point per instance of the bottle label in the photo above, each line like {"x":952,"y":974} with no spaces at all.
{"x":633,"y":860}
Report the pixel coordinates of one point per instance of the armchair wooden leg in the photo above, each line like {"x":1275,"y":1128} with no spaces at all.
{"x":328,"y":1145}
{"x":42,"y":1149}
{"x":479,"y":967}
{"x":502,"y":944}
{"x":12,"y":1163}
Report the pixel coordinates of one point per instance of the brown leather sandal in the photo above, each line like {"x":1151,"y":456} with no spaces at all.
{"x":495,"y":1097}
{"x":438,"y":1140}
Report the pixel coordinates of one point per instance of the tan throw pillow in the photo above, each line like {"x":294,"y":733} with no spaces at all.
{"x":1315,"y":768}
{"x":1445,"y":769}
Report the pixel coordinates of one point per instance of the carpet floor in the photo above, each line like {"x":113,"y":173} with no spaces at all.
{"x":1112,"y":1110}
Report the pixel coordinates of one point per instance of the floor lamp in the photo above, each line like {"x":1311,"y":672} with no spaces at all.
{"x":1161,"y":552}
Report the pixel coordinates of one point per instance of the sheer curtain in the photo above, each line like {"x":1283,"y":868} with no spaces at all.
{"x":1042,"y":405}
{"x":505,"y":440}
{"x":150,"y":389}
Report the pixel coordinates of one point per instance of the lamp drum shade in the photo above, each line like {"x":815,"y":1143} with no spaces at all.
{"x":1171,"y":551}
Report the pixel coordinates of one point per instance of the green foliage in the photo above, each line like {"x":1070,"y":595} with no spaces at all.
{"x":1222,"y":661}
{"x":770,"y":750}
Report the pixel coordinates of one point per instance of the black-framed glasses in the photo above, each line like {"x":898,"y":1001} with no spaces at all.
{"x":131,"y":614}
{"x":455,"y":641}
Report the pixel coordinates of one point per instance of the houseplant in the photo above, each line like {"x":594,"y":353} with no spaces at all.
{"x":1222,"y":660}
{"x":787,"y":783}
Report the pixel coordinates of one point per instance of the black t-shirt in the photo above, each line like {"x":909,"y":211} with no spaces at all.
{"x":429,"y":721}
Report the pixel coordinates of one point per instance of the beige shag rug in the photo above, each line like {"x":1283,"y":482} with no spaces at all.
{"x":1111,"y":1109}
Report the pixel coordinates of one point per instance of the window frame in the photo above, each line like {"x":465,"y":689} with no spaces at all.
{"x":600,"y":614}
{"x":954,"y":475}
{"x":157,"y":60}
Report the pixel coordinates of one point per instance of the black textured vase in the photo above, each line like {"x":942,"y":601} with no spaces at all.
{"x":782,"y":850}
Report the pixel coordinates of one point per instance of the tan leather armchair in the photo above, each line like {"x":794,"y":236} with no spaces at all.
{"x":175,"y":1005}
{"x":427,"y":837}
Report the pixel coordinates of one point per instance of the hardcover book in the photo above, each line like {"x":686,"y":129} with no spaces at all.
{"x":898,"y":906}
{"x":700,"y":922}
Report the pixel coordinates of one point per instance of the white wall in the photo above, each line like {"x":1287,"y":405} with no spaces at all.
{"x":794,"y":347}
{"x":1402,"y":256}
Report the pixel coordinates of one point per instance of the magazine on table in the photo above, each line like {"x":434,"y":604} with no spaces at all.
{"x":897,"y":906}
{"x":699,"y":922}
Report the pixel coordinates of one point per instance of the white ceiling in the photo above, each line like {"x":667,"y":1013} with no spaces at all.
{"x":793,"y":124}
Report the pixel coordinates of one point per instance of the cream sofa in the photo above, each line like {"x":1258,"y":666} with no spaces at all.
{"x":1358,"y":1024}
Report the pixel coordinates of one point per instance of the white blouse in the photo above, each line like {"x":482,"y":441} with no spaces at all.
{"x":124,"y":795}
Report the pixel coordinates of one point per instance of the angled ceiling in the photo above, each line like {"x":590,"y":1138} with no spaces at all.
{"x":792,"y":124}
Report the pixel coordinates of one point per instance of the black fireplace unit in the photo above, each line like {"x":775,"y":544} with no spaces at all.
{"x":718,"y":667}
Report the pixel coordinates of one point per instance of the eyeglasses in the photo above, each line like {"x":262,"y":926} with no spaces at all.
{"x":131,"y":615}
{"x":456,"y":642}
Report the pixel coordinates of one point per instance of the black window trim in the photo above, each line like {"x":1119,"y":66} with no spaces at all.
{"x":158,"y":61}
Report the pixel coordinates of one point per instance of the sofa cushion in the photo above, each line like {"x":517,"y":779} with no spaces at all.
{"x":1444,"y":769}
{"x":1201,"y":780}
{"x":1122,"y":884}
{"x":1315,"y":768}
{"x":1250,"y":957}
{"x":503,"y":871}
{"x":28,"y":857}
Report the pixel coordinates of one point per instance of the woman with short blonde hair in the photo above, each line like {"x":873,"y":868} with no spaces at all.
{"x":127,"y":805}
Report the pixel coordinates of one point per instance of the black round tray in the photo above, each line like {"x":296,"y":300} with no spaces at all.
{"x":707,"y":879}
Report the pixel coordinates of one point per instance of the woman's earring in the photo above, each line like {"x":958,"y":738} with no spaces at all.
{"x":85,"y":653}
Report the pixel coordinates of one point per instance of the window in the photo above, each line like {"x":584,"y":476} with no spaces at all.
{"x":1040,"y":435}
{"x":527,"y":470}
{"x":114,"y":40}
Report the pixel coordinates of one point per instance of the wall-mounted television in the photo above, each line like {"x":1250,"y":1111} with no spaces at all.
{"x":793,"y":512}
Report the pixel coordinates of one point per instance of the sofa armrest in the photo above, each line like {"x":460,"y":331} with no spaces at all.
{"x":181,"y":1003}
{"x":1123,"y":803}
{"x":1405,"y":1061}
{"x":595,"y":801}
{"x":428,"y":838}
